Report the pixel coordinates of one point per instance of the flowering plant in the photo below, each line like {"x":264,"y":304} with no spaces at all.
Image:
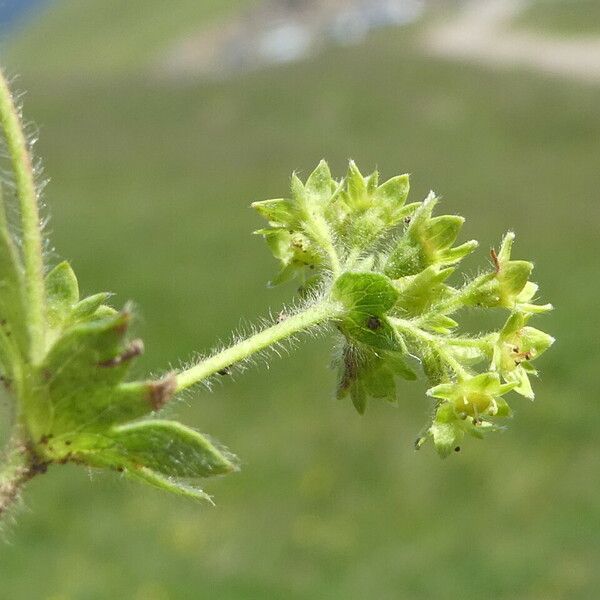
{"x":376,"y":269}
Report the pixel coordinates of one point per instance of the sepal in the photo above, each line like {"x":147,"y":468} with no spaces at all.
{"x":365,"y":373}
{"x":508,"y":286}
{"x":427,"y":241}
{"x":516,"y":346}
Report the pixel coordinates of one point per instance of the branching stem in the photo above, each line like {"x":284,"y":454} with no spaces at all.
{"x":440,"y":344}
{"x":18,"y":151}
{"x":288,"y":327}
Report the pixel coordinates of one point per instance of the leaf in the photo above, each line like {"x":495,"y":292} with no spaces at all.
{"x":79,"y":384}
{"x":439,"y":324}
{"x":426,"y":242}
{"x":359,"y":397}
{"x":365,"y":373}
{"x":453,"y":255}
{"x":520,"y":377}
{"x":367,"y":297}
{"x":358,"y":197}
{"x":446,"y":437}
{"x":418,"y":293}
{"x":443,"y":231}
{"x":167,"y":484}
{"x":278,"y":212}
{"x":319,"y":185}
{"x":366,"y":292}
{"x":513,"y":276}
{"x":161,"y":453}
{"x":62,"y":291}
{"x":393,"y":193}
{"x":169,"y":448}
{"x":87,"y":308}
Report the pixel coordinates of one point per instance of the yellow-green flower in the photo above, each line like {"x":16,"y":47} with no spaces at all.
{"x":516,"y":347}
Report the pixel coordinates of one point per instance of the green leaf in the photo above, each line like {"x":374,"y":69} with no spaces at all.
{"x":393,"y":194}
{"x":319,"y":185}
{"x":169,"y":448}
{"x":439,"y":323}
{"x":513,"y":276}
{"x":367,"y":373}
{"x":279,"y":213}
{"x":427,"y":241}
{"x":87,"y":308}
{"x":365,"y":292}
{"x":79,"y":384}
{"x":418,"y":293}
{"x":446,"y":437}
{"x":162,"y":453}
{"x":62,"y":292}
{"x":167,"y":484}
{"x":358,"y":196}
{"x":405,"y":259}
{"x":453,"y":255}
{"x":443,"y":231}
{"x":359,"y":397}
{"x":367,"y":297}
{"x":294,"y":250}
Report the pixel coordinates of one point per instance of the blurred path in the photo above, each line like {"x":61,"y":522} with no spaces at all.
{"x":481,"y":33}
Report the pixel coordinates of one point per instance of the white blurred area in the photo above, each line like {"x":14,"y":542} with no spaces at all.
{"x":273,"y":32}
{"x":282,"y":31}
{"x":482,"y":32}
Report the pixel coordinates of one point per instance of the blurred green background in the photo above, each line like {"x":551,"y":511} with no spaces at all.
{"x":151,"y":179}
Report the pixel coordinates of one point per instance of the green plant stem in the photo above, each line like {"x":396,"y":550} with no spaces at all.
{"x":323,"y":236}
{"x":320,"y":231}
{"x":16,"y":144}
{"x":229,"y":357}
{"x":439,"y":343}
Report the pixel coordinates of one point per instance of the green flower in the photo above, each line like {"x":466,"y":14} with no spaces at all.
{"x":476,"y":396}
{"x":462,"y":409}
{"x":508,"y":286}
{"x":516,"y":347}
{"x":427,"y":241}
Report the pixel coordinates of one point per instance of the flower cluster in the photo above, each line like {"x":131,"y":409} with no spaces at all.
{"x":388,"y":265}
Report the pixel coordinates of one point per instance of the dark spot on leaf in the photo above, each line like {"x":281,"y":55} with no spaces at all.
{"x":38,"y":468}
{"x":374,"y":323}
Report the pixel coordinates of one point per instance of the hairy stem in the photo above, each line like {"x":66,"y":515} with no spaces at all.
{"x":30,"y":219}
{"x":289,"y":326}
{"x":322,"y":235}
{"x":439,"y":343}
{"x":16,"y":469}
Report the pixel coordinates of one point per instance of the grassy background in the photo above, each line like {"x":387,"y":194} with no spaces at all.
{"x":564,"y":17}
{"x":149,"y":197}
